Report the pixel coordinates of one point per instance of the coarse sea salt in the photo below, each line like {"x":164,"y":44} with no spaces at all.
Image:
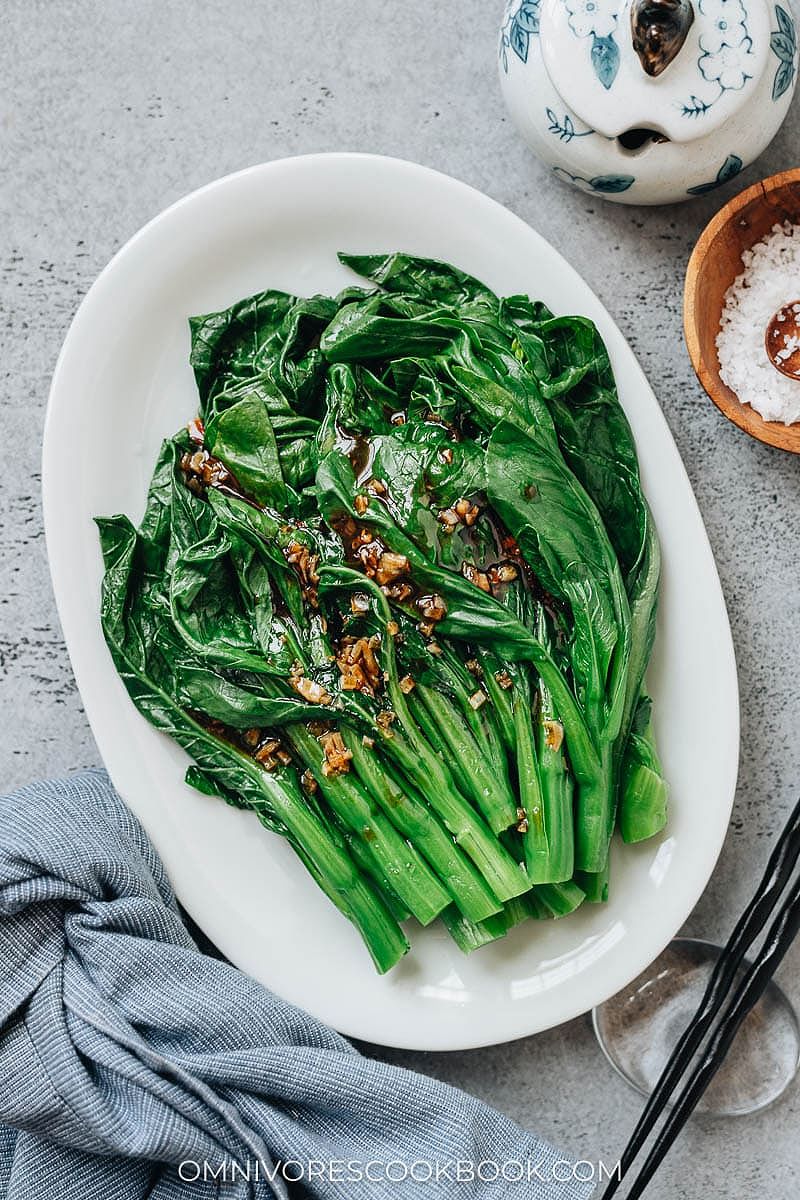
{"x":770,"y":281}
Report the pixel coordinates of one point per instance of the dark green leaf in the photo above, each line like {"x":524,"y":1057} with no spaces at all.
{"x":243,"y":438}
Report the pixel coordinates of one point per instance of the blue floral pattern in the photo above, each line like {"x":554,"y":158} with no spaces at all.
{"x":607,"y":184}
{"x":521,"y":22}
{"x":783,"y":43}
{"x":726,"y":52}
{"x":597,"y":19}
{"x":564,"y":129}
{"x":727,"y":49}
{"x":729,"y":170}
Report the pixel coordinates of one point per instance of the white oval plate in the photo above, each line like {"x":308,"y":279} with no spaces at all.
{"x":123,"y":382}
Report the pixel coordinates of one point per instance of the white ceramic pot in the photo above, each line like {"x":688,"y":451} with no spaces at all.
{"x":580,"y":93}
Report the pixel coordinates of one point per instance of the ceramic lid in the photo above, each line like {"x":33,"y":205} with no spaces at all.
{"x":589,"y":54}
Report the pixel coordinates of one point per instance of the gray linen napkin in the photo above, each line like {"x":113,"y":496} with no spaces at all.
{"x":132,"y":1065}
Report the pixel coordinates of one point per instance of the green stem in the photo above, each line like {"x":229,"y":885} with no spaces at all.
{"x":505,"y":877}
{"x":471,"y":935}
{"x":538,"y":840}
{"x":424,"y":830}
{"x":486,"y":790}
{"x":556,"y":784}
{"x":423,"y":767}
{"x":595,"y":883}
{"x":452,"y":766}
{"x":500,"y":698}
{"x":560,"y":899}
{"x":481,"y":721}
{"x":408,"y":874}
{"x":583,"y":754}
{"x":360,"y":855}
{"x":643,"y":792}
{"x":595,"y":815}
{"x":365,"y":909}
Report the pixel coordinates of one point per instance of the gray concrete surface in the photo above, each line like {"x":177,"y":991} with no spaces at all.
{"x":109,"y":111}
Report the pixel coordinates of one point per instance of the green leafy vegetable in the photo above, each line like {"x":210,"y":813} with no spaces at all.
{"x":395,"y":590}
{"x":243,"y":439}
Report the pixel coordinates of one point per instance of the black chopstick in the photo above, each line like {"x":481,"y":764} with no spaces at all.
{"x":752,"y":986}
{"x":776,"y":876}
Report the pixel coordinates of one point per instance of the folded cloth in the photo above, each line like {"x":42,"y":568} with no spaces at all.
{"x":133,"y":1065}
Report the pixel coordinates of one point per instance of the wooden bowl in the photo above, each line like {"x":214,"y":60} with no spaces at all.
{"x":716,"y":261}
